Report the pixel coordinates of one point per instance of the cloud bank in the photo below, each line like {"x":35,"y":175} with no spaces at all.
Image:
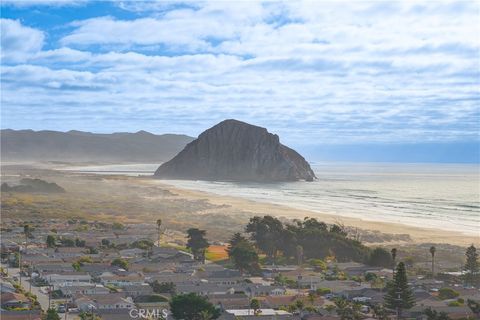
{"x":314,"y":72}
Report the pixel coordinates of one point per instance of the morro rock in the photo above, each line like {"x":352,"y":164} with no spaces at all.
{"x":237,"y":151}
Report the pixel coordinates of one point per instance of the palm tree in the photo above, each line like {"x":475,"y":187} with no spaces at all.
{"x":432,"y":252}
{"x":394,"y":257}
{"x":255,"y":305}
{"x":26,"y":232}
{"x":159,"y":224}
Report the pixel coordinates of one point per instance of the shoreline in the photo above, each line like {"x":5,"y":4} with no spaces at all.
{"x":235,"y":208}
{"x":418,"y":234}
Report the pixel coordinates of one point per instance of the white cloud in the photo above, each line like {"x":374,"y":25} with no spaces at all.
{"x":360,"y":71}
{"x":19,"y":42}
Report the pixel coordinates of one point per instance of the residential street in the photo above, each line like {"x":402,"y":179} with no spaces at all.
{"x":41,"y":297}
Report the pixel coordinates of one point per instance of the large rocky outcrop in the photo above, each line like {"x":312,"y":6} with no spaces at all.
{"x":237,"y":151}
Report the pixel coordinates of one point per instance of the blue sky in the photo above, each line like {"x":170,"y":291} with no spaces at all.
{"x":316,"y":73}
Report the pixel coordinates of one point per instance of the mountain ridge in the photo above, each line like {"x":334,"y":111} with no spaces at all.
{"x":74,"y":145}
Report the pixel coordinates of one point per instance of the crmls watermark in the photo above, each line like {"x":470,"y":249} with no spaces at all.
{"x":148,"y":313}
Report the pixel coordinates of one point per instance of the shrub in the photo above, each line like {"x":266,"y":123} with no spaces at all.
{"x":447,"y":293}
{"x":323,"y":291}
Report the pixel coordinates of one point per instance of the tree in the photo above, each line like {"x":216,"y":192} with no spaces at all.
{"x":243,"y":254}
{"x":236,"y":239}
{"x":447,"y":293}
{"x":51,"y":241}
{"x":163,"y":287}
{"x":267,"y":233}
{"x":52,"y":314}
{"x":79,"y":243}
{"x":347,"y":310}
{"x":474,"y":306}
{"x":121,"y":263}
{"x":434,"y":315}
{"x":159,"y":225}
{"x":255,"y":305}
{"x":399,"y":295}
{"x":27,"y":230}
{"x":380,"y":312}
{"x":193,"y":307}
{"x":393,"y":252}
{"x":472,"y":266}
{"x":380,"y":258}
{"x":432,"y":252}
{"x":197,"y":243}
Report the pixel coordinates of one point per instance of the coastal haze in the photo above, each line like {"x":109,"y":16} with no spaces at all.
{"x":437,"y":196}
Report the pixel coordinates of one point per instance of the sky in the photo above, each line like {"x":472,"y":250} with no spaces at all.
{"x":340,"y":73}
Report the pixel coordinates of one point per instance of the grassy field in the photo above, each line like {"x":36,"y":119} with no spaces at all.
{"x":217,"y":253}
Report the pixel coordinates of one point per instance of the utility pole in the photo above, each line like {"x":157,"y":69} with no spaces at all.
{"x":399,"y":301}
{"x":49,"y":295}
{"x":20,"y":263}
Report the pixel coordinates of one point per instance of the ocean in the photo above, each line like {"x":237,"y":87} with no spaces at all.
{"x":440,"y":196}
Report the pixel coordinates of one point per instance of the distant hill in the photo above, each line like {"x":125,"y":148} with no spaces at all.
{"x":33,"y":185}
{"x":78,"y":146}
{"x":237,"y":151}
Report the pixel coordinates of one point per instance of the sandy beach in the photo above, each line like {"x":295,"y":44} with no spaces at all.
{"x":143,"y":199}
{"x":417,"y":234}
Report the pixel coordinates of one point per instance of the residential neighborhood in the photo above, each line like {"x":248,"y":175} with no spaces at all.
{"x":105,"y":271}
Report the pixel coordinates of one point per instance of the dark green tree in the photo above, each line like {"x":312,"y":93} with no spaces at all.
{"x":380,"y":258}
{"x":434,"y":315}
{"x":51,"y":241}
{"x":51,"y":314}
{"x":399,"y":295}
{"x":474,"y":306}
{"x":393,"y":252}
{"x":243,"y":254}
{"x":472,"y":267}
{"x":432,"y":252}
{"x":192,"y":307}
{"x":347,"y":310}
{"x":197,"y":243}
{"x":236,"y":239}
{"x":255,"y":305}
{"x":163,"y":287}
{"x":267,"y":233}
{"x":121,"y":263}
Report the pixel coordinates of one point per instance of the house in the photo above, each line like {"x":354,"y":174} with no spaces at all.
{"x":10,"y":300}
{"x":135,"y":290}
{"x":53,"y":267}
{"x":162,"y":254}
{"x":103,"y":302}
{"x":35,"y":314}
{"x":120,"y":279}
{"x":310,"y":281}
{"x":275,"y":302}
{"x":205,"y":289}
{"x":258,"y":291}
{"x":223,"y":277}
{"x":96,"y":269}
{"x":342,"y":287}
{"x":365,"y":294}
{"x":263,"y":314}
{"x":65,"y":278}
{"x":230,"y":301}
{"x":90,"y":289}
{"x":462,"y":312}
{"x":131,"y":253}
